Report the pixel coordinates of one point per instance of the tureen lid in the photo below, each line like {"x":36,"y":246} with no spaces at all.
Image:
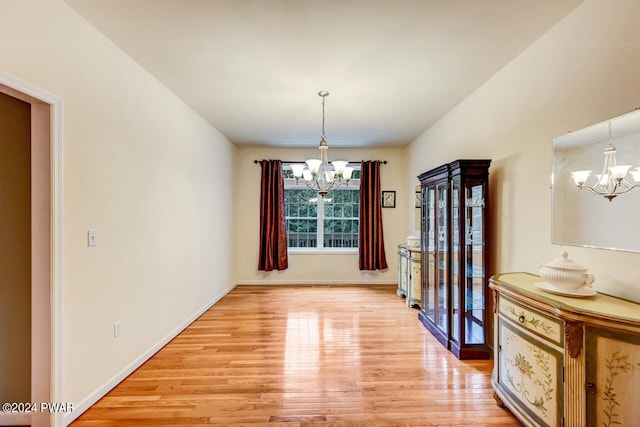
{"x":563,"y":262}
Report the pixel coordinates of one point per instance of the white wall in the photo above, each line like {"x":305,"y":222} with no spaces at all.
{"x":316,"y":268}
{"x":583,"y":71}
{"x":142,"y":169}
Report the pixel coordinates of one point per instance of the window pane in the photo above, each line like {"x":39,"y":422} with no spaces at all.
{"x":303,"y":210}
{"x":328,"y":210}
{"x":287,"y":173}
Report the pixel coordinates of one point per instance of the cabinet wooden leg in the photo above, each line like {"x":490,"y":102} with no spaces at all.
{"x":499,"y":401}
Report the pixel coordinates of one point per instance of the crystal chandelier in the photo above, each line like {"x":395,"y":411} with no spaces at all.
{"x":317,"y":173}
{"x":613,"y":180}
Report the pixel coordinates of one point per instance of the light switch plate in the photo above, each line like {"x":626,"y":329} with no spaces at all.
{"x":92,"y":238}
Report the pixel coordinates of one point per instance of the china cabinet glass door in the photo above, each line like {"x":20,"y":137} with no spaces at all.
{"x":475,"y":269}
{"x":456,"y":257}
{"x":429,"y":249}
{"x":475,"y":277}
{"x":442,"y":259}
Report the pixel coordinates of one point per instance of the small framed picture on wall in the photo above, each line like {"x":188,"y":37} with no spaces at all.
{"x":388,"y":199}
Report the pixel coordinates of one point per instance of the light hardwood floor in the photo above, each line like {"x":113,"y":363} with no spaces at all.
{"x":300,"y":356}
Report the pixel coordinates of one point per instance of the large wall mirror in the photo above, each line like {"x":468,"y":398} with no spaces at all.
{"x":583,"y":217}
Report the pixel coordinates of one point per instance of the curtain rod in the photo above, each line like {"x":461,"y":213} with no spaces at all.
{"x":384,"y":162}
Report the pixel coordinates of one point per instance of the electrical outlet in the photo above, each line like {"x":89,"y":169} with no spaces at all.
{"x":117,"y":329}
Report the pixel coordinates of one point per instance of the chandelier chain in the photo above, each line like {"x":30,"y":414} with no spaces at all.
{"x":323,"y":94}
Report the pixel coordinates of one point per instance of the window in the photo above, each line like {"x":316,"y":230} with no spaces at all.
{"x":320,"y":223}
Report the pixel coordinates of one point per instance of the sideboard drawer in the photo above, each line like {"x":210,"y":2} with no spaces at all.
{"x":544,"y":326}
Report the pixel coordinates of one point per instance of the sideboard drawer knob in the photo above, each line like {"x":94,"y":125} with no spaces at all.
{"x":591,"y":388}
{"x":521,"y":319}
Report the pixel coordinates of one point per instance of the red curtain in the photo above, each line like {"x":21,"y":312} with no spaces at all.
{"x":273,"y":227}
{"x":371,"y":245}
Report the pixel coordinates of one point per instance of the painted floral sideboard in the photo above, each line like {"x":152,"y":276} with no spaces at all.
{"x":409,"y":284}
{"x":565,"y":361}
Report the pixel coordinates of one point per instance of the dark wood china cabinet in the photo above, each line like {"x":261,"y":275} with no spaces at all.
{"x":454,"y":245}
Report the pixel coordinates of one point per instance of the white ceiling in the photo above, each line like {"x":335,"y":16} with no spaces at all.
{"x":253,"y":68}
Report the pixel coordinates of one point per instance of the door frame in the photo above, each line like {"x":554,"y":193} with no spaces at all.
{"x":46,"y":243}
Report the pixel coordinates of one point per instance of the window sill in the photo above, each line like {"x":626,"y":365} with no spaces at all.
{"x":325,"y":251}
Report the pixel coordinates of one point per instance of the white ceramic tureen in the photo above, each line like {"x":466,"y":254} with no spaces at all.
{"x":565,"y":274}
{"x":413,"y":241}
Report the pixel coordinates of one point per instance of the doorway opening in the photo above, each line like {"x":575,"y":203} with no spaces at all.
{"x":41,"y":261}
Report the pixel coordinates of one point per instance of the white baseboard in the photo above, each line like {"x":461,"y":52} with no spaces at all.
{"x":109,"y":385}
{"x":317,"y":282}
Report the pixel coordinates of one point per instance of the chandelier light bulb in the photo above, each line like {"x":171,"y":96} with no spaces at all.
{"x":339,"y":166}
{"x":314,"y":166}
{"x":297,"y":169}
{"x":619,"y":171}
{"x":580,"y":177}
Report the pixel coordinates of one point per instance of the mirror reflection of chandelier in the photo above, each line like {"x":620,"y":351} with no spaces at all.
{"x":614,"y":179}
{"x":317,"y":173}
